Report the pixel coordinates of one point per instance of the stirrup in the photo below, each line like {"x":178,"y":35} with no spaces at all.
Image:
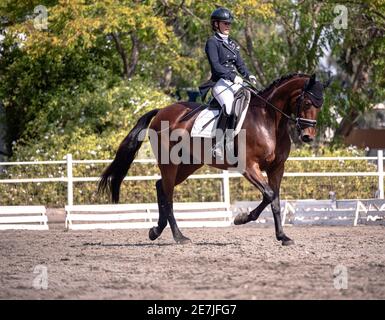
{"x":218,"y":150}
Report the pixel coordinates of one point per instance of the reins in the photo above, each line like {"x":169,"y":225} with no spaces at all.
{"x":253,"y":90}
{"x":301,"y":123}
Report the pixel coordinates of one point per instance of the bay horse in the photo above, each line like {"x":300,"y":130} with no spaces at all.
{"x":267,"y":148}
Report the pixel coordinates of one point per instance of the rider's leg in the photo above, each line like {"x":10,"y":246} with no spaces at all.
{"x":218,"y":149}
{"x":223,"y":91}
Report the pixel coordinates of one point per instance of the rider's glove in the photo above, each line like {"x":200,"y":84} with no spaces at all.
{"x":253,"y":80}
{"x":238,"y":80}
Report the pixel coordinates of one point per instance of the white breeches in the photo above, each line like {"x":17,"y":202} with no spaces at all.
{"x":224,"y":91}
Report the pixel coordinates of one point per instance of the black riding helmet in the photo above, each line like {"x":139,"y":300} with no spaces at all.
{"x":221,"y":14}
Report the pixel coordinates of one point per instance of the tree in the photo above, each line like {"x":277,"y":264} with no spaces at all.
{"x":360,"y":61}
{"x":161,"y":42}
{"x":83,"y":40}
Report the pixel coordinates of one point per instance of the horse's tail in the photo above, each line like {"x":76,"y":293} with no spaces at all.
{"x":114,"y":174}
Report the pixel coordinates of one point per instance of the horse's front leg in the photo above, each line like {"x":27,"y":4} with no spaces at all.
{"x":254,"y":175}
{"x":275,"y":178}
{"x":245,"y":217}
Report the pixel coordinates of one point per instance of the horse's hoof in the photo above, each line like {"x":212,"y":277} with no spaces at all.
{"x":241,"y":218}
{"x":183,"y":240}
{"x":153,"y":234}
{"x":287,"y":242}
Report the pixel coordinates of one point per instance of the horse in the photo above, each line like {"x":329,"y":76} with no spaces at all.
{"x":267,"y":147}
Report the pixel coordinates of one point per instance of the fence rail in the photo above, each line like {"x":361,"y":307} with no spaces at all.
{"x":69,"y":179}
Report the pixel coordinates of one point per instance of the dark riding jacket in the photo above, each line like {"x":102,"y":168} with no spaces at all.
{"x":225,"y":59}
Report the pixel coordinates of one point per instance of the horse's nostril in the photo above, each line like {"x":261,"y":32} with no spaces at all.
{"x":306,"y":138}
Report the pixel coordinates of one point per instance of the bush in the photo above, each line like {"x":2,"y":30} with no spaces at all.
{"x":318,"y":187}
{"x":89,"y":125}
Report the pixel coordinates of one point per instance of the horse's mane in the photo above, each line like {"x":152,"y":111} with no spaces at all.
{"x":278,"y":81}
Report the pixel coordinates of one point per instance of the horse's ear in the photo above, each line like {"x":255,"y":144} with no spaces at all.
{"x":312,"y":80}
{"x":309,"y":83}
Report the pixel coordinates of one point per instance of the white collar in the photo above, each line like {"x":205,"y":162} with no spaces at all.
{"x":223,"y":36}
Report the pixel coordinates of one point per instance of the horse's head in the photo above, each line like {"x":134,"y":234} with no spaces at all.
{"x":306,"y":106}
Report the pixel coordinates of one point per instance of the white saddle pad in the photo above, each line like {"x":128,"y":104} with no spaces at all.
{"x":203,"y":118}
{"x":209,"y":131}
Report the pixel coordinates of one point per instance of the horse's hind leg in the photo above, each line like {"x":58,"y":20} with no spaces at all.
{"x":166,"y":213}
{"x":165,"y":190}
{"x":155,"y":232}
{"x":184,"y":170}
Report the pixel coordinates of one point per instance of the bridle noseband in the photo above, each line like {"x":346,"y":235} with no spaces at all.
{"x":302,"y":123}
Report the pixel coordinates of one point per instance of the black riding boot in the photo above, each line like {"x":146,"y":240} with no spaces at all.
{"x":219,"y":148}
{"x":231,"y":124}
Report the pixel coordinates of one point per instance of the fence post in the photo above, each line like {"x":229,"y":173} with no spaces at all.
{"x":70,"y":193}
{"x":226,"y":188}
{"x":380,"y":166}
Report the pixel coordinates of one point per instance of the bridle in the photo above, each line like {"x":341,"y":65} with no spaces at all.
{"x":300,"y":123}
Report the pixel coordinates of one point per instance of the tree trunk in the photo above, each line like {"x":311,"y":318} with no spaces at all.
{"x":134,"y":58}
{"x":359,"y":81}
{"x":166,"y":79}
{"x":312,"y":52}
{"x":250,"y":53}
{"x":128,"y":66}
{"x":347,"y":124}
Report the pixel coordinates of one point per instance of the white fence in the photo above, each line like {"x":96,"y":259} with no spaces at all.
{"x":23,"y":218}
{"x":139,"y":216}
{"x":318,"y":212}
{"x":70,"y":179}
{"x":207,"y":214}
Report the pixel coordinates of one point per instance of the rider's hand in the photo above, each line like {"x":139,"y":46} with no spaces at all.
{"x":253,"y":80}
{"x":238,"y":80}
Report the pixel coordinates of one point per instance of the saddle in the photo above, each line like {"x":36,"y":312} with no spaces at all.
{"x":241,"y":102}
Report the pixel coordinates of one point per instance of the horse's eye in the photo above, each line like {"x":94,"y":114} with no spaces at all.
{"x":308,"y":104}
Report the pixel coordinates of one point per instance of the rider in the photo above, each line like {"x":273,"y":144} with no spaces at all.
{"x":225,"y":60}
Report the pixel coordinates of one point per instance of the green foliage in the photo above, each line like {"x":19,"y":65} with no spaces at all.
{"x":319,"y":187}
{"x":90,"y":125}
{"x":285,"y":37}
